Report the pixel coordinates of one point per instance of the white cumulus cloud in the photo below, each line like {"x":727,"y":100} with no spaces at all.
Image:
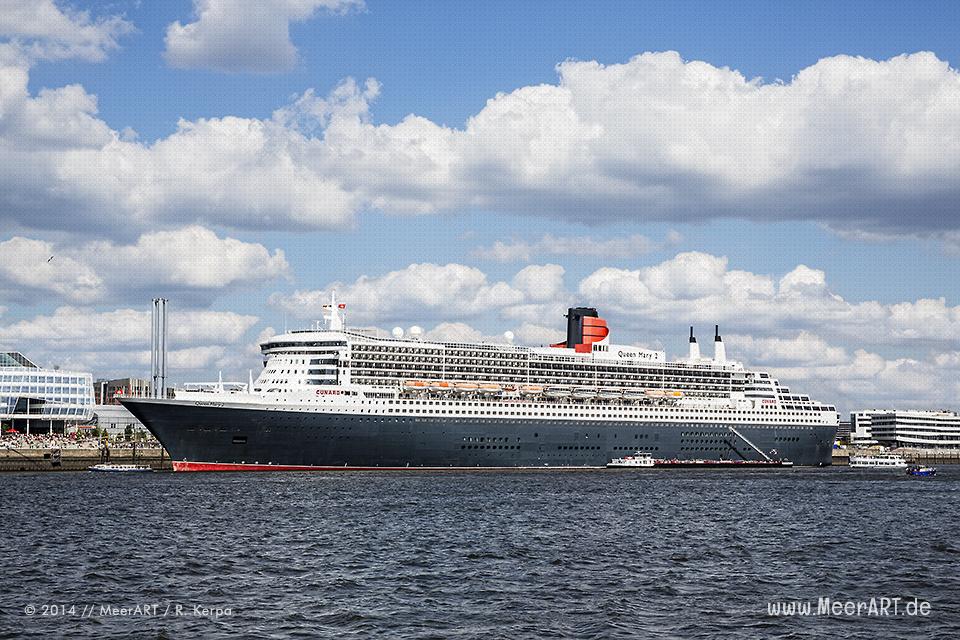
{"x":233,"y":35}
{"x":189,"y":263}
{"x":415,"y":292}
{"x":42,"y":30}
{"x":853,"y":143}
{"x":117,"y":342}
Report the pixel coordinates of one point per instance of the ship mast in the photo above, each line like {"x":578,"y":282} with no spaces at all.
{"x":334,"y":319}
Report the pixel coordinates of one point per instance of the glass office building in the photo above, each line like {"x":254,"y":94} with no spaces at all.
{"x":41,"y":400}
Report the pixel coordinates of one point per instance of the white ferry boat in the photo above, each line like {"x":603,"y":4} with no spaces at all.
{"x":637,"y":460}
{"x":120,"y":468}
{"x":338,"y":398}
{"x":879,"y":461}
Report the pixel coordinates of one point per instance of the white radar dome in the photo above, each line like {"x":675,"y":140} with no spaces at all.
{"x":397,"y":332}
{"x":416,"y":332}
{"x":508,"y":335}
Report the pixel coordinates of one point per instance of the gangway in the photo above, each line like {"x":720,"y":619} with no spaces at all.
{"x":752,"y":446}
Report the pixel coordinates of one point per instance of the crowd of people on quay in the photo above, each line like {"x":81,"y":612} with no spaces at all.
{"x":75,"y":440}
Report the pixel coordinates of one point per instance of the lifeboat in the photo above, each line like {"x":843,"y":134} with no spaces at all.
{"x":654,"y":393}
{"x":584,"y":393}
{"x":467,"y":387}
{"x":531,"y":389}
{"x":488,"y":387}
{"x":610,"y":394}
{"x":633,"y":394}
{"x":674,"y":394}
{"x":441,"y":385}
{"x":414,"y":385}
{"x":556,"y":392}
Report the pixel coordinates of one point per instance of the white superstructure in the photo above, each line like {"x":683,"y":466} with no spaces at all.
{"x":359,"y":372}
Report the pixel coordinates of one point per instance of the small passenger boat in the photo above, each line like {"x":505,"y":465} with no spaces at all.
{"x":636,"y":461}
{"x":879,"y":461}
{"x":120,"y":468}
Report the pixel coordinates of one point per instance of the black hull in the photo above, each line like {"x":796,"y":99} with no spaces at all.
{"x":231,"y":435}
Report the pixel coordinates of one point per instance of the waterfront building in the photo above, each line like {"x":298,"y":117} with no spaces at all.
{"x":41,"y":400}
{"x":861,"y":431}
{"x":917,"y":429}
{"x":107,"y":391}
{"x":115,"y":419}
{"x":843,"y":431}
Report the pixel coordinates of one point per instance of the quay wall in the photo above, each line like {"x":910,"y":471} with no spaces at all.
{"x":79,"y":459}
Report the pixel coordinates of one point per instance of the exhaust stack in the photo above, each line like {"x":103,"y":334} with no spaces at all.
{"x":719,"y":350}
{"x":694,"y":347}
{"x":584,"y":328}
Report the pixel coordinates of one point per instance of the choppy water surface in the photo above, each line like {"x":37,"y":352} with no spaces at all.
{"x":674,"y":553}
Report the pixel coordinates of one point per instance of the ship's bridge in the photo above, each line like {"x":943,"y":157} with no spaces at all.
{"x":302,"y":358}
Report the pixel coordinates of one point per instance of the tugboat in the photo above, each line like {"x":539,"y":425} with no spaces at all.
{"x":921,"y":471}
{"x":636,"y":461}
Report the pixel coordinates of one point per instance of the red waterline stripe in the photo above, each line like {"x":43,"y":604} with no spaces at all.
{"x":238,"y":466}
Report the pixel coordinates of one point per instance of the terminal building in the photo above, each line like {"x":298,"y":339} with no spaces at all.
{"x":916,"y":429}
{"x":37,"y":400}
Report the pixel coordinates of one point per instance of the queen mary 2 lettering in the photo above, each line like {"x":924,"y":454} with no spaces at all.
{"x":343,"y":399}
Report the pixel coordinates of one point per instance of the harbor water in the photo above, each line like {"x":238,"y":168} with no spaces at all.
{"x":588,"y":554}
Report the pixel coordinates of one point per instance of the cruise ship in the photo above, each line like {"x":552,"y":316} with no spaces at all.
{"x":339,"y":398}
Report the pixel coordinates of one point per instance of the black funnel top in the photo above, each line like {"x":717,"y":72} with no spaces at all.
{"x":575,"y":316}
{"x":716,"y":337}
{"x":692,"y":339}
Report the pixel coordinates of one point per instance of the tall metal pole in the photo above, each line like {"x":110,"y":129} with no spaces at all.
{"x":153,"y":349}
{"x":163,"y":348}
{"x":158,"y":348}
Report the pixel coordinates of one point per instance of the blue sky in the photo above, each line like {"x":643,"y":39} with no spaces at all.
{"x":257,"y":160}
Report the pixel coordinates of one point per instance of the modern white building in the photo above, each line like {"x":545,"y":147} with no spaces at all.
{"x":41,"y":400}
{"x":115,"y":419}
{"x":916,"y":429}
{"x":861,"y":427}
